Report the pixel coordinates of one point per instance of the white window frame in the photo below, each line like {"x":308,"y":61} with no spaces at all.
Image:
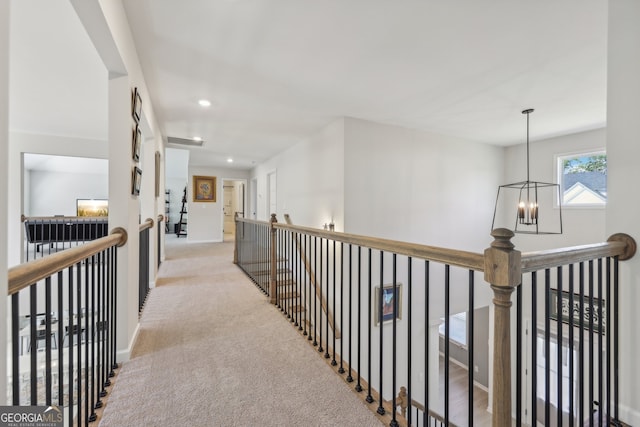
{"x":559,"y":158}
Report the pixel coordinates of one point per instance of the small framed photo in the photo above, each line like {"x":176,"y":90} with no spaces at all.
{"x":136,"y":105}
{"x":386,"y":298}
{"x":204,"y":188}
{"x":136,"y":181}
{"x":136,"y":138}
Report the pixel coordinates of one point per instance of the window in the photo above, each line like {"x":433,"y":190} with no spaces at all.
{"x":457,"y":329}
{"x":583,"y":179}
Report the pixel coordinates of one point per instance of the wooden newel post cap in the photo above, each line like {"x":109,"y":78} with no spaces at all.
{"x":502,"y":263}
{"x":273,"y":218}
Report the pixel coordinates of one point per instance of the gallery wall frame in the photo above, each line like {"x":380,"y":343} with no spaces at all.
{"x":204,"y":188}
{"x":390,"y":295}
{"x":136,"y":105}
{"x":136,"y":142}
{"x":136,"y":181}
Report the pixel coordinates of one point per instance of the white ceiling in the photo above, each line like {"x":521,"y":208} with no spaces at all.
{"x":277,"y":71}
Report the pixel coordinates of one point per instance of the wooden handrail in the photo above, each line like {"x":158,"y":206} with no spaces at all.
{"x":470,"y":260}
{"x":24,"y":275}
{"x":160,"y":218}
{"x":621,"y":245}
{"x":147,"y":224}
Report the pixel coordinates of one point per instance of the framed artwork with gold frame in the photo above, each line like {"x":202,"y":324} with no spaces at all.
{"x":204,"y":188}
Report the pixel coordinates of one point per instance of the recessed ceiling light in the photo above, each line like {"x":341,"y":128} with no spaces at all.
{"x":204,"y":103}
{"x":229,"y":160}
{"x":197,"y":138}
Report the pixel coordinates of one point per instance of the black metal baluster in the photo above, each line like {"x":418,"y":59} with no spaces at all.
{"x":447,"y":336}
{"x":581,"y":347}
{"x":88,"y":375}
{"x":358,"y":385}
{"x":427,"y":310}
{"x":47,"y":334}
{"x":33,"y":298}
{"x":319,"y":287}
{"x":309,"y":283}
{"x":571,"y":345}
{"x":616,"y":342}
{"x":326,"y":270}
{"x":60,"y":339}
{"x":101,"y":321}
{"x":79,"y":334}
{"x":114,"y":319}
{"x":534,"y":348}
{"x":315,"y":291}
{"x":470,"y":345}
{"x":69,"y":334}
{"x":559,"y":344}
{"x":333,"y":360}
{"x":598,"y":311}
{"x":379,"y":291}
{"x":547,"y":347}
{"x":341,"y":369}
{"x":369,"y":398}
{"x":16,"y":349}
{"x":307,"y":307}
{"x":350,"y":267}
{"x":409,"y":338}
{"x":394,"y":421}
{"x":518,"y":360}
{"x":591,"y":349}
{"x":607,"y":308}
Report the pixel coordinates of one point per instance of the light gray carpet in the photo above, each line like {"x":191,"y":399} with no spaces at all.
{"x":211,"y":351}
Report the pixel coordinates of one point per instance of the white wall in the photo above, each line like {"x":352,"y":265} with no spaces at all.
{"x":20,"y":143}
{"x":4,"y":183}
{"x":623,"y":209}
{"x":580,"y":225}
{"x":55,"y":193}
{"x":310,"y":180}
{"x":419,"y":187}
{"x":205,"y":218}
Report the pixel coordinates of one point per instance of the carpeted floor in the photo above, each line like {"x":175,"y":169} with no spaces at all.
{"x":211,"y":351}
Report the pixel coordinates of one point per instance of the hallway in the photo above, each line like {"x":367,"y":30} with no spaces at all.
{"x":211,"y":351}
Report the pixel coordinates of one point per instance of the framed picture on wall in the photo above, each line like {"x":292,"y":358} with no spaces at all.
{"x":136,"y":181}
{"x":389,"y":296}
{"x":204,"y":188}
{"x":136,"y":105}
{"x":137,"y":138}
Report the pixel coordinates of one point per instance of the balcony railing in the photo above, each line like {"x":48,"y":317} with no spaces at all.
{"x":372,"y":308}
{"x":63,"y":328}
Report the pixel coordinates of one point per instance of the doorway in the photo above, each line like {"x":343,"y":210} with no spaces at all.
{"x":233,"y":202}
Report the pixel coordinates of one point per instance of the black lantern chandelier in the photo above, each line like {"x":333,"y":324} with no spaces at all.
{"x":525,"y":197}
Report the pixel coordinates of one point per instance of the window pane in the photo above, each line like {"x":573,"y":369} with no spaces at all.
{"x":583,"y":179}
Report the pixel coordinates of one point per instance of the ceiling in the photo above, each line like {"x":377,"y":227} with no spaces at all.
{"x":277,"y":71}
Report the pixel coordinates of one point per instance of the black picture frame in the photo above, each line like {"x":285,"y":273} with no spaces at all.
{"x":390,"y":295}
{"x":597,"y":312}
{"x":136,"y":105}
{"x":136,"y":181}
{"x":136,"y":138}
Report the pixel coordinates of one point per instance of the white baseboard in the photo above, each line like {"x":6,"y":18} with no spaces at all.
{"x":125,"y":354}
{"x":630,"y":416}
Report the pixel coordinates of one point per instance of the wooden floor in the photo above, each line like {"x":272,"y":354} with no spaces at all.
{"x":459,"y":397}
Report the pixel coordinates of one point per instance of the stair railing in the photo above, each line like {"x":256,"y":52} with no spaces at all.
{"x":366,"y":278}
{"x":75,"y":322}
